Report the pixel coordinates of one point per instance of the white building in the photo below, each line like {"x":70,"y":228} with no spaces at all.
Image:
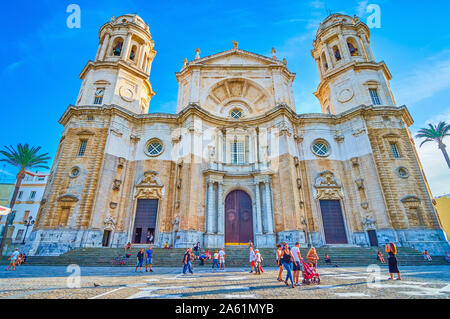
{"x":27,"y":205}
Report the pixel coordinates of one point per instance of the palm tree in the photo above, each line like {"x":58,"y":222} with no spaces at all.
{"x":436,"y":134}
{"x":25,"y":158}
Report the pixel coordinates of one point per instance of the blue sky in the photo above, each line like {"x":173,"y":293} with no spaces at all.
{"x":42,"y":58}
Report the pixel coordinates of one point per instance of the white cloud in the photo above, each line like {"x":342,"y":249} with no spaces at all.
{"x":424,"y":81}
{"x":317,"y":4}
{"x":433,"y":162}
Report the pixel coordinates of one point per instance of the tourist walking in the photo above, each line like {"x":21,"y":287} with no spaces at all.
{"x":216,"y":260}
{"x":252,"y":259}
{"x":12,"y":260}
{"x":297,"y":262}
{"x":286,"y":259}
{"x":140,"y":259}
{"x":279,"y":254}
{"x":380,"y":257}
{"x":427,"y":256}
{"x":187,"y":261}
{"x":391,"y":249}
{"x":222,"y":256}
{"x":258,"y":262}
{"x":149,"y":259}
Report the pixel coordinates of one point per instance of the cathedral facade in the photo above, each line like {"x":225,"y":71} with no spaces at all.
{"x":236,"y":163}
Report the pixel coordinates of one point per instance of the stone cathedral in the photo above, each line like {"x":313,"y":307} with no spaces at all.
{"x":237,"y":162}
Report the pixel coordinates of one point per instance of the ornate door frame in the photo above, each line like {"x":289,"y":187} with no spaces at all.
{"x":149,"y":187}
{"x":328,"y":188}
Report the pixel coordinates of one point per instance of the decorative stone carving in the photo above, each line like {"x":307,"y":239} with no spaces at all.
{"x":149,"y":188}
{"x":359,"y":183}
{"x":345,"y":95}
{"x":126,"y":94}
{"x":411,"y":201}
{"x":339,"y":138}
{"x":296,"y":161}
{"x":298,"y":138}
{"x":355,"y":161}
{"x":358,"y":131}
{"x":134,"y":138}
{"x":121,"y":162}
{"x":116,"y":184}
{"x":327,"y":186}
{"x":368,"y":223}
{"x":299,"y":183}
{"x":109,"y":222}
{"x":112,"y":205}
{"x":68,"y":198}
{"x":365,"y":205}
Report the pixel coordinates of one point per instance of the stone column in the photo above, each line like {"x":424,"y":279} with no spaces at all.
{"x":220,"y":209}
{"x":269,"y":212}
{"x":258,"y":210}
{"x":142,"y":51}
{"x":320,"y":68}
{"x":327,"y":56}
{"x":344,"y":46}
{"x":105,"y":44}
{"x":126,"y":48}
{"x":210,"y":208}
{"x":366,"y":46}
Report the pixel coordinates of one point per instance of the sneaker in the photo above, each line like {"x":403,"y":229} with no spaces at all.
{"x":151,"y":270}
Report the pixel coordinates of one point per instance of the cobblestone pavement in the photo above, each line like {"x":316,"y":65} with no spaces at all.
{"x":122,"y":282}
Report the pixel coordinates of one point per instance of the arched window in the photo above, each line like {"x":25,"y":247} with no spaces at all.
{"x":352,"y":47}
{"x":133,"y":53}
{"x":117,"y":47}
{"x":324,"y":61}
{"x":337,"y":53}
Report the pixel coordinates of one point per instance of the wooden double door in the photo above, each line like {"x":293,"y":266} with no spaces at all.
{"x":145,"y":221}
{"x":333,"y":222}
{"x":238,"y":218}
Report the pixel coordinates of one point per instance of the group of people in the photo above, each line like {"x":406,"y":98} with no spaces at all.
{"x":16,"y":259}
{"x":194,"y":254}
{"x":148,"y":255}
{"x":291,"y":260}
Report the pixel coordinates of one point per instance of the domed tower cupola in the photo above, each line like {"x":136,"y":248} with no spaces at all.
{"x":120,"y":73}
{"x":349,"y":74}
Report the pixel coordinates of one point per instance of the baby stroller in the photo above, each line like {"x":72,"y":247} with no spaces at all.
{"x":310,"y":275}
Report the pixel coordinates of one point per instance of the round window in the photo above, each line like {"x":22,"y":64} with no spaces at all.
{"x":74,"y":172}
{"x":154,"y":147}
{"x":321,"y":148}
{"x":403,"y":172}
{"x":236,"y":114}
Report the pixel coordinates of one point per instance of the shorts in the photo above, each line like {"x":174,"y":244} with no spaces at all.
{"x":252,"y":263}
{"x":222,"y":260}
{"x":149,"y":261}
{"x":139,"y":263}
{"x":297,"y":266}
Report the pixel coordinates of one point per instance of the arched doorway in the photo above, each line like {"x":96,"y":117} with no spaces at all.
{"x":238,"y":218}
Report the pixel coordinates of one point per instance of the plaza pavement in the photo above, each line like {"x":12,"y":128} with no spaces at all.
{"x":123,"y":283}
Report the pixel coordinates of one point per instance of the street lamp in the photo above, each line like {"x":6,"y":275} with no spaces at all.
{"x":27,"y":223}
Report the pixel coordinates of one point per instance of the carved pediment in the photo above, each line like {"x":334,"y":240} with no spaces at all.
{"x":327,"y":187}
{"x":149,"y":187}
{"x":68,"y":198}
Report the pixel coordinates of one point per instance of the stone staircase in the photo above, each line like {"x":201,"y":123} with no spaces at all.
{"x":236,"y":257}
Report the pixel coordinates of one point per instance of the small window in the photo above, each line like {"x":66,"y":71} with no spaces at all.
{"x":90,"y":118}
{"x":352,"y":48}
{"x":375,"y":97}
{"x":321,"y":148}
{"x":133,"y":53}
{"x":74,"y":172}
{"x":337,"y":53}
{"x":237,"y":153}
{"x":154,"y":147}
{"x":117,"y":50}
{"x":99,"y":93}
{"x":41,"y":179}
{"x":394,"y":150}
{"x":236,"y":114}
{"x":403,"y":172}
{"x":82,"y":148}
{"x":19,"y":195}
{"x":32,"y":195}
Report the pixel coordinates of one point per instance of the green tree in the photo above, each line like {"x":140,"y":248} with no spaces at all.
{"x":436,"y":134}
{"x":24,"y":158}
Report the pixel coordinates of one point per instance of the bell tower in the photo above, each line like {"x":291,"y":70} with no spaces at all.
{"x":120,"y":73}
{"x":349,"y":74}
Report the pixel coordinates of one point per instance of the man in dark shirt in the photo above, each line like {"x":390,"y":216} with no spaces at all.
{"x":187,"y":261}
{"x":140,"y":259}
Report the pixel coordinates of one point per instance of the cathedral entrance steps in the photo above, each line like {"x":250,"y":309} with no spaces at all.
{"x":345,"y":256}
